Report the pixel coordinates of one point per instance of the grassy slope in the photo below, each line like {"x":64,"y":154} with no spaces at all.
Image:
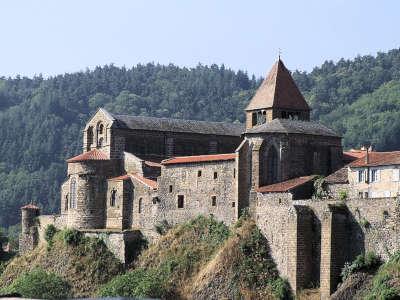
{"x":84,"y":267}
{"x":377,"y":283}
{"x":203,"y":259}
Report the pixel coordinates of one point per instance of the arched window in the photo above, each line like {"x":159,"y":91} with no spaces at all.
{"x":72,"y":192}
{"x":113,"y":196}
{"x":100,"y":134}
{"x":89,"y":140}
{"x":268,"y":165}
{"x":66,"y":202}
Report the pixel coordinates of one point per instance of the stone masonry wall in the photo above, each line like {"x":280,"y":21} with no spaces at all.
{"x":198,"y":191}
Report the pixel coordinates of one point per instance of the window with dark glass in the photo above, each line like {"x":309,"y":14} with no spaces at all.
{"x":214,"y":200}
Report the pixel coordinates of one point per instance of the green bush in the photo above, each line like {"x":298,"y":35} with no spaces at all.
{"x":49,"y":233}
{"x":40,"y":285}
{"x":138,"y":283}
{"x":281,"y":288}
{"x":343,"y":195}
{"x":162,"y":227}
{"x":363,"y":262}
{"x":72,"y":237}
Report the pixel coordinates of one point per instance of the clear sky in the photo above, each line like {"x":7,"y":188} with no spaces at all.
{"x":57,"y":36}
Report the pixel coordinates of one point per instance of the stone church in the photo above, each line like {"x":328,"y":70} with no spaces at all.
{"x":135,"y":172}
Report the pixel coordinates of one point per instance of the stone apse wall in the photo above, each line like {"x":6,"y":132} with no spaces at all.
{"x":311,"y":240}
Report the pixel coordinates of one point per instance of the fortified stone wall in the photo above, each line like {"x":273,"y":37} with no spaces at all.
{"x":197,"y":185}
{"x":323,"y":235}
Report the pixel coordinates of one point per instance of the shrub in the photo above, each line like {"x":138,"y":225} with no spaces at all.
{"x":343,"y":195}
{"x":39,"y":284}
{"x":49,"y":233}
{"x":138,"y":283}
{"x":281,"y":288}
{"x":72,"y":237}
{"x":162,"y":227}
{"x":363,"y":262}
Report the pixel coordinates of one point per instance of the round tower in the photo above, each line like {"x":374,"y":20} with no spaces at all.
{"x":29,"y":236}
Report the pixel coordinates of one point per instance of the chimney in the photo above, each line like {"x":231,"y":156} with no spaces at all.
{"x":367,"y":156}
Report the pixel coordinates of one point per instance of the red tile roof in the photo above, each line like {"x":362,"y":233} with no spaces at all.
{"x":152,"y":164}
{"x":151,"y":183}
{"x":378,"y":159}
{"x":198,"y":158}
{"x":122,"y":177}
{"x":352,"y":155}
{"x":285,"y":186}
{"x":30,"y":206}
{"x":90,"y":155}
{"x":144,"y":180}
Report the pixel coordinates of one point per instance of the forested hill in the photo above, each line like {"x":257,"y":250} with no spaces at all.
{"x":41,"y":119}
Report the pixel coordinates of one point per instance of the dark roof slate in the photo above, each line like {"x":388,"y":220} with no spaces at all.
{"x":293,"y":126}
{"x":177,"y":125}
{"x":278,"y":90}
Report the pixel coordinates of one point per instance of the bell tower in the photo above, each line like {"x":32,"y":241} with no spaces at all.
{"x":277,"y":97}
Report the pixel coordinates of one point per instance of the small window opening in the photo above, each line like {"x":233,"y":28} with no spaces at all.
{"x":233,"y":204}
{"x":215,"y":175}
{"x":214,"y":200}
{"x":170,"y":188}
{"x":234,"y":173}
{"x":199,"y":173}
{"x":113,"y":196}
{"x":181,"y":200}
{"x":140,"y":205}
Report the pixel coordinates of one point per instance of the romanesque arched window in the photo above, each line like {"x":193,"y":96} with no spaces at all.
{"x":100,"y":134}
{"x":89,"y":138}
{"x":268,"y":165}
{"x":72,"y":193}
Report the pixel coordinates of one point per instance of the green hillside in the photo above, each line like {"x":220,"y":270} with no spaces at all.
{"x":41,"y":119}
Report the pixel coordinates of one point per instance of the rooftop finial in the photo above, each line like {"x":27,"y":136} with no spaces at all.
{"x":279,"y":53}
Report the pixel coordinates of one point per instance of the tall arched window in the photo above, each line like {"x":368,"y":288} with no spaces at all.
{"x":89,"y":140}
{"x":72,"y":193}
{"x":268,"y":165}
{"x":100,"y":134}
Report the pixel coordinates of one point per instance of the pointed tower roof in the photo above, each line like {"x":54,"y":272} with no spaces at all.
{"x":278,"y":90}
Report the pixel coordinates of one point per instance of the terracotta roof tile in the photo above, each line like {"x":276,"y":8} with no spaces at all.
{"x":340,"y":176}
{"x":122,"y":177}
{"x":198,"y":158}
{"x":90,"y":155}
{"x":152,"y":164}
{"x":278,"y":90}
{"x":30,"y":206}
{"x":378,"y":159}
{"x":151,"y":183}
{"x":285,"y":186}
{"x":352,"y":155}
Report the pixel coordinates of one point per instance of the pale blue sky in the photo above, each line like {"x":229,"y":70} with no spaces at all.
{"x":57,"y":36}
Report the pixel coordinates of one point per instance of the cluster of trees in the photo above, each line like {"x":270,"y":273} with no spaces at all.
{"x":41,"y":119}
